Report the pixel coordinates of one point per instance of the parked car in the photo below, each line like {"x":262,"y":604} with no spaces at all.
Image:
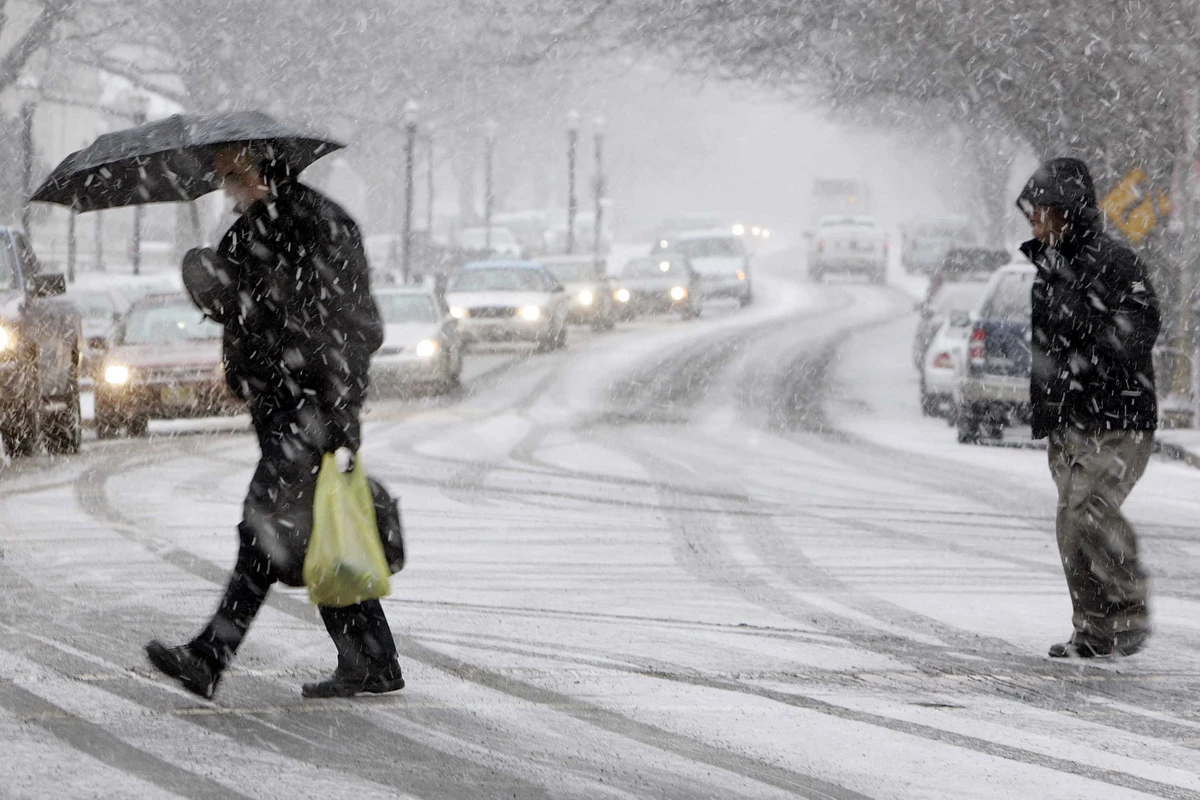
{"x":944,"y":365}
{"x":658,"y":284}
{"x":41,"y":353}
{"x":502,"y":243}
{"x":166,"y":364}
{"x":853,"y":245}
{"x":719,"y":257}
{"x":499,"y":301}
{"x":994,"y":391}
{"x":937,"y":308}
{"x":421,"y":344}
{"x":101,"y":309}
{"x":588,"y":287}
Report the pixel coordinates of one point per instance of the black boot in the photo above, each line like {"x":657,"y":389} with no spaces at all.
{"x":347,"y":683}
{"x":197,"y":675}
{"x":1081,"y":648}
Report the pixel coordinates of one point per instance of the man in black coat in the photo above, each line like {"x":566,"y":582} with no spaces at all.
{"x":289,"y":284}
{"x":1095,"y":320}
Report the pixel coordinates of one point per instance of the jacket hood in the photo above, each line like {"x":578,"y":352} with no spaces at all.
{"x":1063,"y":183}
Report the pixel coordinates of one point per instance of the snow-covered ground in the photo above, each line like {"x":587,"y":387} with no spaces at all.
{"x":724,"y":558}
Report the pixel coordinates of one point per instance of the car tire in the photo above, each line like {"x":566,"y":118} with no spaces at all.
{"x":929,"y":402}
{"x":64,"y":430}
{"x":966,"y":422}
{"x":746,"y":299}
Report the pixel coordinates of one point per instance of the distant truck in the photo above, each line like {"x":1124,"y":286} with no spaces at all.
{"x":924,"y":244}
{"x":41,"y":353}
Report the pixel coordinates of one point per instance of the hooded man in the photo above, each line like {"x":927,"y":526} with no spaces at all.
{"x":1095,"y":320}
{"x":289,"y":284}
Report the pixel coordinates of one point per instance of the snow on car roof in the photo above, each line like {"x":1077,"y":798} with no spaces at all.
{"x":502,"y":265}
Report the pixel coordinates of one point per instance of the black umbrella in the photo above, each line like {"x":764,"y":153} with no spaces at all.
{"x":170,"y":160}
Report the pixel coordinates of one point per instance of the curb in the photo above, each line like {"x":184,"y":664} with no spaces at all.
{"x":1177,"y":453}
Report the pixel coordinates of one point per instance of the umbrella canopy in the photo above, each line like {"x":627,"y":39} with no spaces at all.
{"x":170,"y":160}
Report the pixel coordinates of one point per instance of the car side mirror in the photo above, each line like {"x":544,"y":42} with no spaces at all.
{"x":959,"y":319}
{"x":50,"y":284}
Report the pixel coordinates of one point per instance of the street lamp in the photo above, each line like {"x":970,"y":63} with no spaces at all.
{"x":139,"y":104}
{"x":410,"y":133}
{"x":572,"y":143}
{"x":489,"y":139}
{"x":598,"y":186}
{"x":29,"y":90}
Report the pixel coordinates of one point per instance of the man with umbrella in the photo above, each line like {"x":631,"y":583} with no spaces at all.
{"x":289,"y":284}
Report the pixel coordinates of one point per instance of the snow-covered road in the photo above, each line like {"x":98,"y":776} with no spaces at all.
{"x":717,"y":559}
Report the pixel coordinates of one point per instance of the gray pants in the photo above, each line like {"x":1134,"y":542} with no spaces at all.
{"x":1095,"y":472}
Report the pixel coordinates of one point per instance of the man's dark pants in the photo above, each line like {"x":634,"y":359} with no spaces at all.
{"x":277,"y":520}
{"x":1095,"y":472}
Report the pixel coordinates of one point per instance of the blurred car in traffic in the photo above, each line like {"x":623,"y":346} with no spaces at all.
{"x":102,"y":309}
{"x":502,"y":243}
{"x":588,"y":287}
{"x":994,"y":391}
{"x":658,"y":284}
{"x":854,"y":245}
{"x":421,"y":344}
{"x":165,"y":364}
{"x":41,"y":347}
{"x":504,"y":301}
{"x":720,"y":260}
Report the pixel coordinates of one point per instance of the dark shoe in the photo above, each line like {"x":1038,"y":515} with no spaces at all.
{"x":1081,"y":649}
{"x":1126,"y":643}
{"x":180,"y":663}
{"x":348,"y":684}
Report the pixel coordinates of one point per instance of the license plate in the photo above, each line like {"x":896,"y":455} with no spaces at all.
{"x":178,"y":395}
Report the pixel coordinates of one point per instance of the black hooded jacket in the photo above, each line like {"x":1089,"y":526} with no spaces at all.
{"x":1095,"y":316}
{"x":290,"y":284}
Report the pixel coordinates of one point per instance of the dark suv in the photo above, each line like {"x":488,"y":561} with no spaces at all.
{"x":995,"y":390}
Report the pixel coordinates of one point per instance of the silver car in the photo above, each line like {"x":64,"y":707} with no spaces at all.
{"x":509,"y":301}
{"x":421,"y":343}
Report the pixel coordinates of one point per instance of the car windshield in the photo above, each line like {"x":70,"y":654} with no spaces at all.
{"x":1011,"y":300}
{"x":957,"y":297}
{"x":716,"y":246}
{"x":398,"y":309}
{"x":500,"y":280}
{"x":652,"y":268}
{"x":476,"y":238}
{"x":585,"y":271}
{"x":168,"y":324}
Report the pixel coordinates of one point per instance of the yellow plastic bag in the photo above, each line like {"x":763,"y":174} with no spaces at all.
{"x":344,"y":564}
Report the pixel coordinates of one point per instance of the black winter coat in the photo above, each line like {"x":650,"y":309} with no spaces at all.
{"x":292,"y":292}
{"x":1095,"y":321}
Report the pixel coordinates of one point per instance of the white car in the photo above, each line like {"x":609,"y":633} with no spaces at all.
{"x":854,"y":245}
{"x":502,"y":243}
{"x":504,"y":301}
{"x":421,"y":343}
{"x":720,"y":260}
{"x":945,"y":364}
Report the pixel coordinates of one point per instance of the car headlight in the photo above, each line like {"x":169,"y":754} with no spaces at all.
{"x":458,"y":313}
{"x":739,"y":229}
{"x":5,"y":338}
{"x":622,"y":295}
{"x":586,"y":298}
{"x":756,"y":231}
{"x":531,"y":313}
{"x":427,"y":348}
{"x":766,"y":234}
{"x":116,"y":374}
{"x":678,"y":293}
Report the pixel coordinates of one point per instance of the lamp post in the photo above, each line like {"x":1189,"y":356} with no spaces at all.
{"x":429,"y":186}
{"x":598,"y":187}
{"x":140,"y":103}
{"x":572,"y":145}
{"x":28,"y":89}
{"x":489,"y":141}
{"x":410,"y":133}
